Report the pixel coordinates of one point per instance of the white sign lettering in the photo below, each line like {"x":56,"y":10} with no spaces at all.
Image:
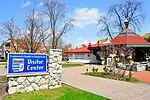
{"x":35,"y":61}
{"x":29,"y":67}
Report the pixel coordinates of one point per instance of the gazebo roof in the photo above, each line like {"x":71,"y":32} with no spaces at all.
{"x":129,"y":38}
{"x":126,"y":37}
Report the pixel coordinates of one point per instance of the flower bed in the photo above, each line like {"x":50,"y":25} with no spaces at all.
{"x":109,"y":76}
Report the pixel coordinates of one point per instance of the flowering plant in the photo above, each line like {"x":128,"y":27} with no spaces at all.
{"x":103,"y":62}
{"x":117,"y":59}
{"x":122,"y":54}
{"x":131,"y":62}
{"x":129,"y":57}
{"x":119,"y":54}
{"x":112,"y":55}
{"x":147,"y":58}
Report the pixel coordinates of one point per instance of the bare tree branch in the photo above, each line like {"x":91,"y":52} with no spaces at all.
{"x":55,"y":11}
{"x":35,"y":32}
{"x":9,"y":31}
{"x":114,"y":20}
{"x":105,"y":26}
{"x":130,"y":10}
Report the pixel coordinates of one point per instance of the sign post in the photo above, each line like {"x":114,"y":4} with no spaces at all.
{"x":109,"y":61}
{"x":26,"y":63}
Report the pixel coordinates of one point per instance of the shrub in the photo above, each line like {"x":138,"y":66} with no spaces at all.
{"x":94,"y":70}
{"x":87,"y":70}
{"x":105,"y":69}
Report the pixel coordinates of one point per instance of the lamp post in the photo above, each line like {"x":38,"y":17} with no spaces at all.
{"x":126,"y":22}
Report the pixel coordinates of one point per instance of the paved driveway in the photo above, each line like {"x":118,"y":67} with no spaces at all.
{"x":116,"y":90}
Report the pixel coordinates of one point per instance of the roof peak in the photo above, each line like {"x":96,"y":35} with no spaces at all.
{"x":126,"y":30}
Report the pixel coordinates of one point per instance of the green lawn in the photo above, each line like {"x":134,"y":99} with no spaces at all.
{"x":63,"y":93}
{"x":69,"y":64}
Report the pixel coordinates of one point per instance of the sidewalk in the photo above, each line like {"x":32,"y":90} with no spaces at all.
{"x":143,"y":76}
{"x":116,"y":90}
{"x":3,"y":70}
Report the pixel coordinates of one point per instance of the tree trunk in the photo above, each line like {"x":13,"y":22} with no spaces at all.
{"x":130,"y":72}
{"x":53,"y":40}
{"x":124,"y":71}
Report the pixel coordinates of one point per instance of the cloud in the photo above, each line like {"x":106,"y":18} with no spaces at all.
{"x":41,"y":3}
{"x":86,"y":42}
{"x":86,"y":16}
{"x":81,"y":41}
{"x":26,"y":4}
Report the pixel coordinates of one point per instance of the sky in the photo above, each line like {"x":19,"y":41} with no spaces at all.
{"x":85,"y":12}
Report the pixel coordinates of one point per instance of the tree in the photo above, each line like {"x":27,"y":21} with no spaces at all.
{"x":35,"y":33}
{"x":55,"y":11}
{"x":147,"y":37}
{"x":105,"y":27}
{"x":9,"y":31}
{"x":29,"y":39}
{"x":118,"y":13}
{"x":62,"y":45}
{"x":65,"y":48}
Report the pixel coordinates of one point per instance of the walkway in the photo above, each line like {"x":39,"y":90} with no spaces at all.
{"x":3,"y":70}
{"x":116,"y":90}
{"x":143,"y":76}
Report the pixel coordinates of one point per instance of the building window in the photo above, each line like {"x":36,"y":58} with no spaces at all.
{"x":82,"y":56}
{"x":76,"y":56}
{"x":70,"y":56}
{"x":79,"y":56}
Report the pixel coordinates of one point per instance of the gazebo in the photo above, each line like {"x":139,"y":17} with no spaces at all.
{"x":128,"y":38}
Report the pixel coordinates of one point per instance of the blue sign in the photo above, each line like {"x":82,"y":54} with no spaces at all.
{"x":26,"y":62}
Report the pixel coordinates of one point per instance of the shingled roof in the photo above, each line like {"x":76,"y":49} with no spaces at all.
{"x":128,"y":37}
{"x":83,"y":49}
